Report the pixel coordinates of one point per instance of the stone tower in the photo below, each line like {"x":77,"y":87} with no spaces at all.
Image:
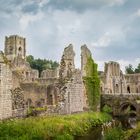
{"x":85,"y":54}
{"x":15,"y":46}
{"x":67,"y":63}
{"x":114,"y":79}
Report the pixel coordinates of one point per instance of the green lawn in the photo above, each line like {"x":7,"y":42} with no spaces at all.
{"x":56,"y":127}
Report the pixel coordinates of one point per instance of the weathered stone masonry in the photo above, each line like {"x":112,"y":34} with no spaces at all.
{"x":61,"y":90}
{"x":5,"y":87}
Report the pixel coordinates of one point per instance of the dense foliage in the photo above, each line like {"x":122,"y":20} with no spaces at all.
{"x":92,"y":84}
{"x":107,"y":109}
{"x":116,"y":133}
{"x":132,"y":134}
{"x":41,"y":64}
{"x":57,"y":127}
{"x":130,"y":70}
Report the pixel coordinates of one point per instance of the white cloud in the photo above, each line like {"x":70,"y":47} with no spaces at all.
{"x":137,"y":13}
{"x":103,"y":41}
{"x":100,"y":65}
{"x":26,"y":19}
{"x":43,"y":2}
{"x":116,"y":2}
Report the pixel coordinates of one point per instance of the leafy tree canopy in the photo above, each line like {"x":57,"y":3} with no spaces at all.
{"x":41,"y":64}
{"x":130,"y":70}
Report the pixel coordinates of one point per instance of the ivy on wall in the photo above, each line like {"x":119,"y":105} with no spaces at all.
{"x":92,"y":84}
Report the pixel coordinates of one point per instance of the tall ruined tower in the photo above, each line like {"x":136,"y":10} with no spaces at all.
{"x":85,"y":54}
{"x":15,"y":46}
{"x":114,"y":79}
{"x":67,"y":63}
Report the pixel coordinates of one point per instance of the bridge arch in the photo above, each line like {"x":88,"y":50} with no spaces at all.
{"x":128,"y":108}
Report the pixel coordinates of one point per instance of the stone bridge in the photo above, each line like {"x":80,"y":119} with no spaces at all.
{"x":122,"y":104}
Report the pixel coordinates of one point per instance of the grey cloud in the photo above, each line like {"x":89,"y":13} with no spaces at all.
{"x":30,"y":8}
{"x":81,"y":5}
{"x":66,"y":23}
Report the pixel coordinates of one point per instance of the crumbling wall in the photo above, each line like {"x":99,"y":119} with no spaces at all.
{"x":71,"y":85}
{"x":85,"y":54}
{"x":67,"y":64}
{"x":37,"y":95}
{"x":132,"y":83}
{"x":75,"y":94}
{"x":114,"y":78}
{"x":34,"y":93}
{"x":18,"y":103}
{"x":5,"y":86}
{"x":48,"y":73}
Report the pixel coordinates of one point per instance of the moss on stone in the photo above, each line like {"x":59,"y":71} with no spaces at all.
{"x":92,"y":84}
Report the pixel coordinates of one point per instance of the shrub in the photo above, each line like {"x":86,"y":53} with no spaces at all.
{"x":107,"y":109}
{"x":114,"y":134}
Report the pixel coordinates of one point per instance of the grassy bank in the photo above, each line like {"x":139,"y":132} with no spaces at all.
{"x":57,"y":127}
{"x":133,"y":133}
{"x":119,"y":134}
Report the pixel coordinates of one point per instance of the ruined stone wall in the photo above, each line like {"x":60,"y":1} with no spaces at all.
{"x":48,"y":81}
{"x":30,"y":75}
{"x":46,"y":74}
{"x":75,"y":93}
{"x":18,"y":103}
{"x":133,"y":83}
{"x":67,"y":64}
{"x":70,"y":84}
{"x":114,"y":78}
{"x":85,"y":55}
{"x":37,"y":95}
{"x":5,"y":93}
{"x":34,"y":93}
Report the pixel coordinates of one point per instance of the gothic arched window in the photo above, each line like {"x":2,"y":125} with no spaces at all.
{"x":10,"y":49}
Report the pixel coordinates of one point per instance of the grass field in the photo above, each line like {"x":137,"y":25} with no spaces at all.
{"x":51,"y":127}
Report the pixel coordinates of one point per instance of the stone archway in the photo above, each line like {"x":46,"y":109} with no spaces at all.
{"x":128,"y":89}
{"x":128,"y":109}
{"x":117,"y":88}
{"x":52,"y":95}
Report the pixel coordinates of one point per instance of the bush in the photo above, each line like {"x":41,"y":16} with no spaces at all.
{"x":114,"y":134}
{"x":107,"y":109}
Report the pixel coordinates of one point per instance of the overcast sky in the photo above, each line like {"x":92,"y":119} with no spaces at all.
{"x":110,"y":28}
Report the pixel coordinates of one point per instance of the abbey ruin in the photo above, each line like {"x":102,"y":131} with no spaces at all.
{"x":61,"y":90}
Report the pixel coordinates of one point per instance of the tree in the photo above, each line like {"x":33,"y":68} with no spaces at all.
{"x":129,"y":69}
{"x":137,"y":70}
{"x":41,"y":64}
